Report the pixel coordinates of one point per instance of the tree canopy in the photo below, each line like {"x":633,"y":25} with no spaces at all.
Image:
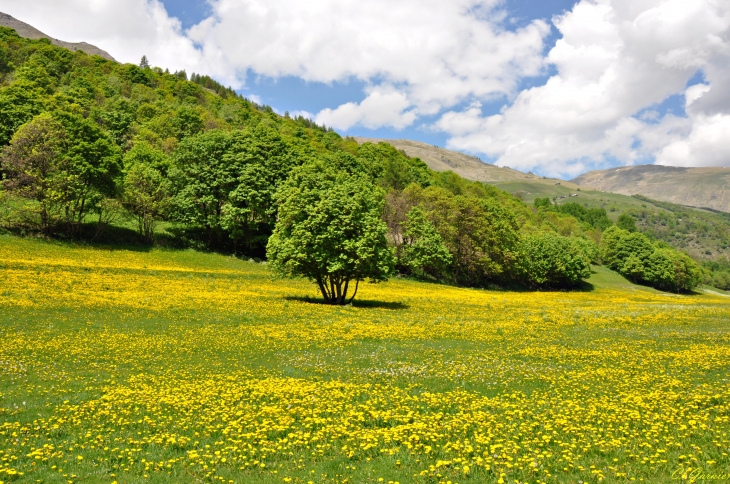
{"x":329,"y":230}
{"x":547,"y":259}
{"x":655,"y":264}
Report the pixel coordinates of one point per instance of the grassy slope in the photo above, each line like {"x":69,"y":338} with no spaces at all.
{"x":440,"y":159}
{"x":697,"y":187}
{"x":138,"y":361}
{"x":702,"y":233}
{"x":614,"y":203}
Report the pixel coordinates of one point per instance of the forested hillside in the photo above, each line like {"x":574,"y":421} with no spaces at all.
{"x":703,"y":233}
{"x":88,"y":143}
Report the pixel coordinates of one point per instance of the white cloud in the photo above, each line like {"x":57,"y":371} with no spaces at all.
{"x":615,"y":58}
{"x":438,"y":53}
{"x":695,"y":92}
{"x":256,"y":99}
{"x":126,"y":29}
{"x":384,"y":106}
{"x":707,"y":144}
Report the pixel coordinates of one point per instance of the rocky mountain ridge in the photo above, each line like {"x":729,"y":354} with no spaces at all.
{"x":693,"y":187}
{"x":440,"y":159}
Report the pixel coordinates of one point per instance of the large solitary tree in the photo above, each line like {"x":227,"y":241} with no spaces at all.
{"x":329,"y":230}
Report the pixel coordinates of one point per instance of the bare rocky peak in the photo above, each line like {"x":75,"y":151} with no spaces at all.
{"x":30,"y":32}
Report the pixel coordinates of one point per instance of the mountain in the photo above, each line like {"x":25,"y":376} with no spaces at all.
{"x":29,"y":32}
{"x":439,"y":159}
{"x":694,"y":187}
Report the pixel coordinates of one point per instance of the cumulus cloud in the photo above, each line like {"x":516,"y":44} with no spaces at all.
{"x":707,"y":144}
{"x":615,"y":59}
{"x":437,"y":53}
{"x":384,"y":106}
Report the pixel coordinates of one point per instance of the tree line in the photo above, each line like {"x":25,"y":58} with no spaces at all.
{"x":86,"y":141}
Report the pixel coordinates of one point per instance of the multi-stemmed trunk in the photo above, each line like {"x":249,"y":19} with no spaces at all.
{"x":334,"y":288}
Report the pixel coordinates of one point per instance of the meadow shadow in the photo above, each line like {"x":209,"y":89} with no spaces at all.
{"x":583,"y":286}
{"x":357,"y":303}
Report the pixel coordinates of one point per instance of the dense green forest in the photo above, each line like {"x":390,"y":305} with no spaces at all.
{"x":89,"y":144}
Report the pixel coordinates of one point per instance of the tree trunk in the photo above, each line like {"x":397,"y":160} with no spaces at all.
{"x":344,"y":293}
{"x":338,"y":291}
{"x":334,"y":289}
{"x":357,"y":284}
{"x":323,"y":288}
{"x":79,"y":219}
{"x":44,"y":217}
{"x":69,"y":222}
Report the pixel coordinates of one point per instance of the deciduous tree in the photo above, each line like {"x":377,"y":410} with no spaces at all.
{"x":33,"y":163}
{"x":330,"y":230}
{"x":146,"y":196}
{"x":423,"y":250}
{"x":548,"y":260}
{"x":91,"y":166}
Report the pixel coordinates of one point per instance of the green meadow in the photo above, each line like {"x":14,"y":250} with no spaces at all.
{"x":180,"y":366}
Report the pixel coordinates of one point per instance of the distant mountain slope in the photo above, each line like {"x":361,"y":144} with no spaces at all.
{"x":439,"y":159}
{"x":29,"y":32}
{"x":695,"y":187}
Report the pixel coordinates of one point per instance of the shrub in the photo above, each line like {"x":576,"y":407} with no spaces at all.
{"x":550,"y":260}
{"x":670,"y":270}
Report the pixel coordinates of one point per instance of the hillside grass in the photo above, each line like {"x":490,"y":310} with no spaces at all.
{"x":704,"y":234}
{"x":147,"y":365}
{"x":614,"y":203}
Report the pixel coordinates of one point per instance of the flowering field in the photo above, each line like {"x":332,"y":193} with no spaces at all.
{"x":187,"y":367}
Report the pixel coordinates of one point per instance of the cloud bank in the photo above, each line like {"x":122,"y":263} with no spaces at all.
{"x":615,"y":59}
{"x":615,"y":62}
